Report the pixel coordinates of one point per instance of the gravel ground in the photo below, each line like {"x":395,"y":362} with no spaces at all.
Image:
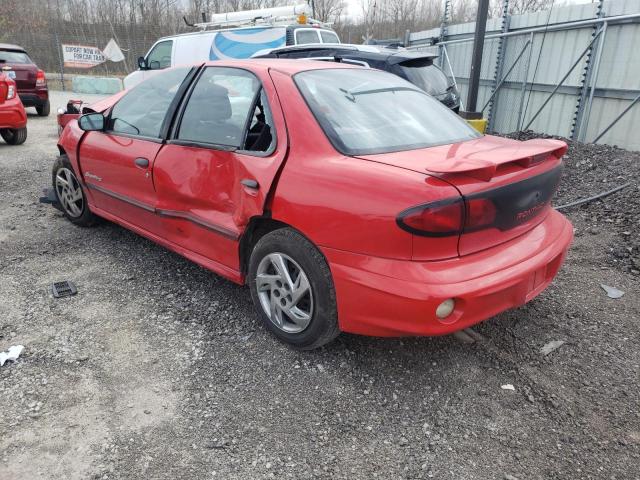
{"x":159,"y":369}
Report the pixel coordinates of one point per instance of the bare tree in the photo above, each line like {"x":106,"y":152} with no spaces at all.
{"x":327,"y":10}
{"x":370,"y":14}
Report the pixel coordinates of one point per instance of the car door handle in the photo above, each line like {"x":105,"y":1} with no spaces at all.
{"x":249,"y":183}
{"x":141,"y":162}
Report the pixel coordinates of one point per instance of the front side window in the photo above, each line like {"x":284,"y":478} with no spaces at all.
{"x":227,"y":108}
{"x":142,"y":111}
{"x":329,"y":37}
{"x":366,"y":111}
{"x":12,"y":56}
{"x":160,"y":56}
{"x":304,"y":36}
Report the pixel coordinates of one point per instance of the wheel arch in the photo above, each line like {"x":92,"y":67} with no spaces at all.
{"x":257,"y":228}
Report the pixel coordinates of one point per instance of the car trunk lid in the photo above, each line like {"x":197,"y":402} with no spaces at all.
{"x":17,"y":61}
{"x":25,"y":75}
{"x":506,"y":185}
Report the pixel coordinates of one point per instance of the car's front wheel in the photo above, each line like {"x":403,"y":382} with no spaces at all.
{"x":292,"y":289}
{"x":70,"y":194}
{"x":14,"y":136}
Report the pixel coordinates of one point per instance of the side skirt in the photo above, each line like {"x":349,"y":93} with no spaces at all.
{"x":220,"y":269}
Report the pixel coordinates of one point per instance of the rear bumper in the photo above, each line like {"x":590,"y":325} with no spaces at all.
{"x":12,"y":114}
{"x":384,"y":297}
{"x":34,"y":98}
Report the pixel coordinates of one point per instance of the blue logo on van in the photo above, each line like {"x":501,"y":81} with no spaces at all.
{"x":246,"y":42}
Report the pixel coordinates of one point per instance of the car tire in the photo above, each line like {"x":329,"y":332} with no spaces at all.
{"x":14,"y":136}
{"x":44,"y":109}
{"x":70,"y":194}
{"x":305,"y":320}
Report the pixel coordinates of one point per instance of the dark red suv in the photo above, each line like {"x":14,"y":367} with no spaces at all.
{"x":30,"y":80}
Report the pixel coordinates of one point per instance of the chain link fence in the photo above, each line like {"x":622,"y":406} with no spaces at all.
{"x":44,"y":46}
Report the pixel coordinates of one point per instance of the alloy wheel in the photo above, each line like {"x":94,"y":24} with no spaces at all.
{"x":284,"y":292}
{"x":69,"y":192}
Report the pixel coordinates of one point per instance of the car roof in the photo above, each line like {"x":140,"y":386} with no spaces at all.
{"x":233,"y":29}
{"x":295,"y":26}
{"x":371,"y":52}
{"x":8,"y":46}
{"x":287,"y":66}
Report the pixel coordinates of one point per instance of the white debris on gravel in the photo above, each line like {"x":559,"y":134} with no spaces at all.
{"x":551,"y":346}
{"x":612,"y":292}
{"x":508,"y":386}
{"x":11,"y":355}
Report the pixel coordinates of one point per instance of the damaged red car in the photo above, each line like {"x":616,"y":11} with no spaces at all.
{"x":13,"y":118}
{"x":345,"y":198}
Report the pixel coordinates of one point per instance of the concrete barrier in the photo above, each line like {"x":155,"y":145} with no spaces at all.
{"x":100,"y":85}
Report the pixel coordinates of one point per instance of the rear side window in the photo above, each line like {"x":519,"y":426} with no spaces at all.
{"x":160,"y":56}
{"x":304,"y":36}
{"x":12,"y":56}
{"x":422,"y":73}
{"x":329,"y":37}
{"x":227,"y":108}
{"x":365,"y":111}
{"x":142,"y":111}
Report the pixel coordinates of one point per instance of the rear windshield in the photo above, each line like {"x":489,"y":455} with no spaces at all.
{"x":365,"y":111}
{"x":427,"y":76}
{"x":11,"y":56}
{"x":329,"y":37}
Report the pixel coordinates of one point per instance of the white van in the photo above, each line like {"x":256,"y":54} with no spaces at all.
{"x":270,"y":28}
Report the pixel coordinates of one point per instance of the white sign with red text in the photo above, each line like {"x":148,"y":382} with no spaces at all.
{"x":81,"y":56}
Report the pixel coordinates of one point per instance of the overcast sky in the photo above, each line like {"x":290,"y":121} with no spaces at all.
{"x":354,"y":7}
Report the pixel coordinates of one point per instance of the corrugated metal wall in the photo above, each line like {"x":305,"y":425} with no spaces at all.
{"x":543,"y":65}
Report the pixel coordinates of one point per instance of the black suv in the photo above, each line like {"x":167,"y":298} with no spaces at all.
{"x":416,"y":67}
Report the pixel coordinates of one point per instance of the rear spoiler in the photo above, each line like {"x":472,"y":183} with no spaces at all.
{"x":408,"y":57}
{"x":483,"y":166}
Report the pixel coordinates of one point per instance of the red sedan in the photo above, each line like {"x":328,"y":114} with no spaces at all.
{"x":13,"y":118}
{"x":346,"y":198}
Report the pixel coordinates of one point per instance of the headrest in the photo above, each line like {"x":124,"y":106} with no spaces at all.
{"x":214,"y":98}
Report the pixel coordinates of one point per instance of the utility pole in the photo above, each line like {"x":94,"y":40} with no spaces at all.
{"x":476,"y":62}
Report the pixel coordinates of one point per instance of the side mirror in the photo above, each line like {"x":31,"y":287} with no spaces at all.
{"x":142,"y":63}
{"x":91,"y":122}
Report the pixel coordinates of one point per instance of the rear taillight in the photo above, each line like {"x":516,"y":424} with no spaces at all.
{"x":41,"y":80}
{"x":448,"y":217}
{"x":437,"y":219}
{"x":11,"y":91}
{"x":502,"y":208}
{"x":480,"y":212}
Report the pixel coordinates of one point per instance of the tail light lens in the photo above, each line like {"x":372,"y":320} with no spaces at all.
{"x":480,"y":212}
{"x":11,"y":91}
{"x":437,"y":219}
{"x":41,"y":80}
{"x":502,"y":208}
{"x":448,"y":217}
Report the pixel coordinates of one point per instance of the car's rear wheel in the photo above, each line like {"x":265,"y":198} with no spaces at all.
{"x":44,"y":109}
{"x":292,"y":289}
{"x":70,"y":194}
{"x":14,"y":136}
